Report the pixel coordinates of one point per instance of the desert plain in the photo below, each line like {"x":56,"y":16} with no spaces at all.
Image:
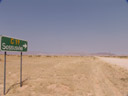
{"x":64,"y":76}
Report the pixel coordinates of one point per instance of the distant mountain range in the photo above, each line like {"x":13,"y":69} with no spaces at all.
{"x":103,"y":54}
{"x":68,"y":54}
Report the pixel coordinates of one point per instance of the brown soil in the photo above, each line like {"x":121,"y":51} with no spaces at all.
{"x":63,"y":76}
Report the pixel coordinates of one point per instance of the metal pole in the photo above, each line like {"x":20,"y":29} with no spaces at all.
{"x":4,"y":73}
{"x":21,"y":71}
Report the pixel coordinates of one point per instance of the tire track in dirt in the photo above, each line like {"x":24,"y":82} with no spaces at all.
{"x":101,"y":84}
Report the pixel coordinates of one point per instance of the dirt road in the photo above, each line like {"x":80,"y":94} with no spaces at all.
{"x":116,"y":61}
{"x":64,"y":76}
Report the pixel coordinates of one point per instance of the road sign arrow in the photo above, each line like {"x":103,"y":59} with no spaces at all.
{"x":25,"y":46}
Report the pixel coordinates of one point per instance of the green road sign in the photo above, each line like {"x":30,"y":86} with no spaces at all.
{"x":12,"y":44}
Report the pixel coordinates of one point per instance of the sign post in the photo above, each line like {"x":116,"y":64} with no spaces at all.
{"x":21,"y":70}
{"x":12,"y":44}
{"x":4,"y":73}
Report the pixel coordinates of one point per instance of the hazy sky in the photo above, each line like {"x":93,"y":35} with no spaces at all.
{"x":62,"y":26}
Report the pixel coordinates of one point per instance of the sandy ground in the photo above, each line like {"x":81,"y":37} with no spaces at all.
{"x":116,"y":61}
{"x":63,"y":76}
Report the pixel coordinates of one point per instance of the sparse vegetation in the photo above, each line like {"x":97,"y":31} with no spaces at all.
{"x":48,"y":56}
{"x":116,"y":56}
{"x":29,"y":55}
{"x":38,"y":55}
